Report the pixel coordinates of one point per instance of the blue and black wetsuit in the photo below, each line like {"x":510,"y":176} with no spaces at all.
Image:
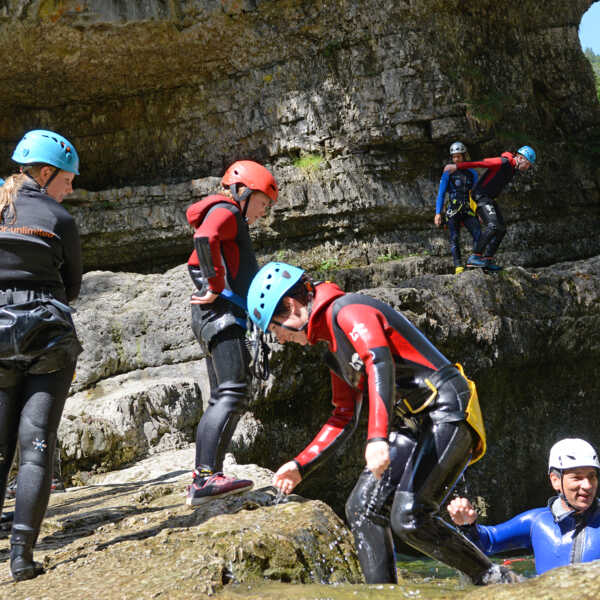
{"x":557,"y":537}
{"x":458,"y":185}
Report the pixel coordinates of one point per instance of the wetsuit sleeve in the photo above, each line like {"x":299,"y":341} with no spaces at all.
{"x":475,"y":177}
{"x":510,"y":535}
{"x":70,"y":270}
{"x":364,"y":329}
{"x":439,"y":203}
{"x":340,"y":425}
{"x":219,"y":225}
{"x":486,"y":163}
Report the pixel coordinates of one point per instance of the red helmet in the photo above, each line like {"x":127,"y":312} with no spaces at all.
{"x":254,"y":176}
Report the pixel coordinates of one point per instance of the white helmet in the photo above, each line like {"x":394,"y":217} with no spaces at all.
{"x":571,"y":453}
{"x":458,"y":148}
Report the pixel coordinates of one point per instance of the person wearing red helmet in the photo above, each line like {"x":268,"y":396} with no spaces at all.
{"x":222,"y":266}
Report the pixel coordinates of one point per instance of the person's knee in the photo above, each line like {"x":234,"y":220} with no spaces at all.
{"x":36,"y":444}
{"x":232,"y":396}
{"x":410,"y":516}
{"x":355,"y":510}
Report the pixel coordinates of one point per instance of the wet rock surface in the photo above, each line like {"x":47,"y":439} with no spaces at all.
{"x":138,"y":539}
{"x":130,"y":536}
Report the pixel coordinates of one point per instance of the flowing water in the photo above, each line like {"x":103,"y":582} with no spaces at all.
{"x":420,"y":579}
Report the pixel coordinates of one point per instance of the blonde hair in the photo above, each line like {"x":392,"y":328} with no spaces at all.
{"x":10,"y":189}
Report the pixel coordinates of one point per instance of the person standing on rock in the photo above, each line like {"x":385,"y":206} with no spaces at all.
{"x":564,"y":532}
{"x":458,"y":211}
{"x":222,"y":266}
{"x":40,"y":272}
{"x":500,"y":171}
{"x":424,"y":424}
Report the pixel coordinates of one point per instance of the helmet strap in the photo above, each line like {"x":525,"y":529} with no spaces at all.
{"x":309,"y":305}
{"x":51,"y":178}
{"x":239,"y":198}
{"x":44,"y":187}
{"x":562,"y":493}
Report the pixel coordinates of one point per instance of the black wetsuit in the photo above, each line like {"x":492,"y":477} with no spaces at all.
{"x":500,"y":171}
{"x":40,"y":271}
{"x":228,"y":262}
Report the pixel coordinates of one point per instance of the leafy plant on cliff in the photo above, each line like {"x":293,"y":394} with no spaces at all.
{"x":595,"y":62}
{"x":309,"y":163}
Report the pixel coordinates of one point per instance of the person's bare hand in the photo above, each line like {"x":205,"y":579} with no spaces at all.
{"x":287,"y":477}
{"x":461,"y":511}
{"x":377,"y":457}
{"x":206,"y":298}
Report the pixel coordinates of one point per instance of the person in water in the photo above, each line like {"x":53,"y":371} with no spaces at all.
{"x":564,"y":532}
{"x":424,"y":424}
{"x":458,"y":209}
{"x":40,"y":273}
{"x":499,"y":173}
{"x":222,"y":266}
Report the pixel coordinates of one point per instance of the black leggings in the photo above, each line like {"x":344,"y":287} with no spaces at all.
{"x":227,"y":365}
{"x":30,"y":413}
{"x":424,"y":468}
{"x":494,"y":228}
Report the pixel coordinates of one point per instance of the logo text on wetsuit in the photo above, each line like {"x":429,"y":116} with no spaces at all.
{"x":358,"y":330}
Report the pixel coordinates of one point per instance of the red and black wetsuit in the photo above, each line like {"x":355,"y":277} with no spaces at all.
{"x":220,"y":326}
{"x":376,"y":352}
{"x":500,"y":171}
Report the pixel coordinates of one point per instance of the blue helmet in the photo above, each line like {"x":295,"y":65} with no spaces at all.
{"x":267,"y":288}
{"x":528,"y":152}
{"x":49,"y":148}
{"x":1,"y":181}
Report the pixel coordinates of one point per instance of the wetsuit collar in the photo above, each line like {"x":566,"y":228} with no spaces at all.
{"x":560,"y":513}
{"x":325,"y":294}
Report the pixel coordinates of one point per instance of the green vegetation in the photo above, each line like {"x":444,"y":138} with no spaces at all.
{"x":595,"y":61}
{"x":309,"y":163}
{"x":488,"y":109}
{"x":328,"y":265}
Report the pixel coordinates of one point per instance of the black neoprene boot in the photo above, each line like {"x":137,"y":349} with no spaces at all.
{"x":22,"y":565}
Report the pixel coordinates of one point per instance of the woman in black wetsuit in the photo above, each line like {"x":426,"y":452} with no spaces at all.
{"x":40,"y":273}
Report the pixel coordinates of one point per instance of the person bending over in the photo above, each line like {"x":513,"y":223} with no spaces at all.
{"x":424,"y":424}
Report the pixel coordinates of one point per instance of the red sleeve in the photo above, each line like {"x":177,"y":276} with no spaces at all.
{"x":218,"y":226}
{"x":336,"y":430}
{"x":486,"y":163}
{"x":364,"y":328}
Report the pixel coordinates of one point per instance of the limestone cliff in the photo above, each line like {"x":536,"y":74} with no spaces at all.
{"x":352,"y":103}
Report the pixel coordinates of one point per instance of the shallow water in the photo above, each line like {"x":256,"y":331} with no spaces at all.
{"x":422,"y":579}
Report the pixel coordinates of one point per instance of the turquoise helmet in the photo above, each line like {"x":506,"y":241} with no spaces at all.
{"x":1,"y":181}
{"x":267,"y":288}
{"x":528,"y":152}
{"x":46,"y":147}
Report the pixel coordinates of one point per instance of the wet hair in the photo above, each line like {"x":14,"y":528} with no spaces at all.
{"x":302,"y":291}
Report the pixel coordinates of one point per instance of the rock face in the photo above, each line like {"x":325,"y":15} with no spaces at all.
{"x":528,"y":338}
{"x":139,"y":540}
{"x":165,"y":94}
